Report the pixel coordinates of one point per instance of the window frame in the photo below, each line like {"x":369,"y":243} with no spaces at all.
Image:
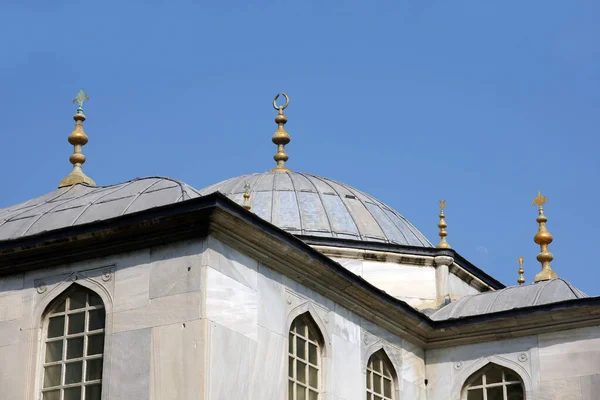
{"x":382,"y":356}
{"x":482,"y":373}
{"x":313,"y":328}
{"x":46,"y":314}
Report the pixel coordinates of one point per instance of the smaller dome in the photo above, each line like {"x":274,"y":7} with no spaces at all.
{"x":536,"y":294}
{"x":79,"y":204}
{"x":310,"y":205}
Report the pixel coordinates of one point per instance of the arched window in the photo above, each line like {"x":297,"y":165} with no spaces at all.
{"x":494,"y":382}
{"x":380,"y":377}
{"x":305,"y":359}
{"x":73,"y":346}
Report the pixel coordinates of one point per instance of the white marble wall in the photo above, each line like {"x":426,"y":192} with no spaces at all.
{"x":410,"y":283}
{"x":459,"y":288}
{"x":195,"y":320}
{"x":562,"y":365}
{"x":250,"y":307}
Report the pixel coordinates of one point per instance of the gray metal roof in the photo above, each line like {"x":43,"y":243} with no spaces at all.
{"x":545,"y":292}
{"x":78,"y":204}
{"x":305,"y":204}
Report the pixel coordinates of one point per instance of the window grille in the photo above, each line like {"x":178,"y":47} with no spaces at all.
{"x":494,"y":383}
{"x":380,"y":378}
{"x":304,"y":361}
{"x":74,"y":347}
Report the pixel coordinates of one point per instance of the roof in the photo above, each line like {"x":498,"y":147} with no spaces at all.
{"x":514,"y":297}
{"x":286,"y":254}
{"x":310,"y":205}
{"x":79,"y":204}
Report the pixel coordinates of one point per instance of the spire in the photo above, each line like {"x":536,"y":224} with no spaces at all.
{"x":281,"y":137}
{"x":521,"y":279}
{"x":543,"y":238}
{"x":442,"y":225}
{"x":78,"y":139}
{"x":246,"y":203}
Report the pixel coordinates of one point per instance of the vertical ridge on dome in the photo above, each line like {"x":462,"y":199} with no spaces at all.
{"x":310,"y":205}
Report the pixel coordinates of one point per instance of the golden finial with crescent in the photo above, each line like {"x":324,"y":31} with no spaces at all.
{"x":281,"y":137}
{"x":283,"y":107}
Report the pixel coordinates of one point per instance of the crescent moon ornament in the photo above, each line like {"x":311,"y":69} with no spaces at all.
{"x":283,"y":107}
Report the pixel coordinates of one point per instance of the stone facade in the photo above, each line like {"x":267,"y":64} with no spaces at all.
{"x":196,"y":320}
{"x":206,"y":319}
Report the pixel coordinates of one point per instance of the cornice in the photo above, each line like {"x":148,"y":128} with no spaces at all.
{"x":215,"y":214}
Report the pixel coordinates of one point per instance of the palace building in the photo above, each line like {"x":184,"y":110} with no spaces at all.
{"x":269,"y":286}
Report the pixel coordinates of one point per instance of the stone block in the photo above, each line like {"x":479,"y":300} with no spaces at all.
{"x":231,"y":357}
{"x":130,"y":365}
{"x":346,"y":376}
{"x":176,"y":269}
{"x":401,"y":281}
{"x":268,"y":380}
{"x":11,"y":306}
{"x":271,"y":304}
{"x":132,"y":277}
{"x":231,"y":303}
{"x":11,"y":283}
{"x":161,"y":311}
{"x":590,"y":387}
{"x":560,"y":389}
{"x":13,"y":383}
{"x":231,"y":262}
{"x":178,"y":361}
{"x":346,"y":325}
{"x":571,"y":353}
{"x":10,"y":333}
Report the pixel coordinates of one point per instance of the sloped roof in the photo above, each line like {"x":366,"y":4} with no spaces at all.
{"x":310,"y":205}
{"x":513,"y":297}
{"x":79,"y":204}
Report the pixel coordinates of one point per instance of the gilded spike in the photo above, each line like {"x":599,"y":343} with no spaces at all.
{"x":78,"y":139}
{"x":543,"y":238}
{"x":281,"y":137}
{"x":443,"y":244}
{"x":246,"y":203}
{"x":521,"y":279}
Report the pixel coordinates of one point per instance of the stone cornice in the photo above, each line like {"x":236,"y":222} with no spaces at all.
{"x":217,"y":215}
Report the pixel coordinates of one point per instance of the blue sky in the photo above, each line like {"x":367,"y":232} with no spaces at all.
{"x":481,"y":103}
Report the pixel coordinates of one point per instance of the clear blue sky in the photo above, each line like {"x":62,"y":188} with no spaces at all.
{"x":478,"y":102}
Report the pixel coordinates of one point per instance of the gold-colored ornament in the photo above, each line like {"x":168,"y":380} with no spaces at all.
{"x":78,"y":139}
{"x":246,"y":203}
{"x":543,"y":238}
{"x":281,"y":137}
{"x":443,"y":244}
{"x":521,"y":279}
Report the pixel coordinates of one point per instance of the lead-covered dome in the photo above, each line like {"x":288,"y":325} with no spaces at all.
{"x":305,"y":204}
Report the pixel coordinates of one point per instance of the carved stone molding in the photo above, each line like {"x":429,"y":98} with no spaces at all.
{"x":41,"y":286}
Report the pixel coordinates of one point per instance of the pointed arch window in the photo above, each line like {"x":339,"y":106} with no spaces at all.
{"x":380,"y":377}
{"x":74,"y":346}
{"x":304,"y":359}
{"x":494,"y":382}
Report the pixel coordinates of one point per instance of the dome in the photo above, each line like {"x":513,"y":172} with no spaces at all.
{"x":78,"y":204}
{"x":305,"y":204}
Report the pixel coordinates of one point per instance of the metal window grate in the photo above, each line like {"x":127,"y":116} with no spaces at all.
{"x":304,"y":360}
{"x":380,"y":381}
{"x":74,"y":348}
{"x":495,"y":383}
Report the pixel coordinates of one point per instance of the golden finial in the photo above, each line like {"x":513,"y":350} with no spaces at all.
{"x":442,"y":225}
{"x":543,"y":238}
{"x":246,"y":203}
{"x":281,"y":137}
{"x":521,"y":279}
{"x":78,"y":139}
